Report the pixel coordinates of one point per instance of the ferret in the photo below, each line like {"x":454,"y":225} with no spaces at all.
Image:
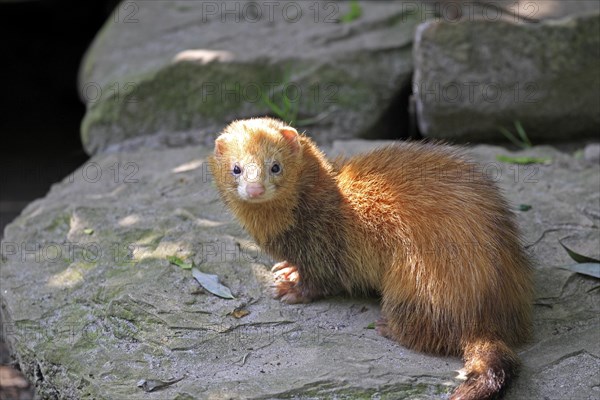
{"x":413,"y":222}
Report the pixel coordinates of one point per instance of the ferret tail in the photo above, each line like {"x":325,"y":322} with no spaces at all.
{"x":489,"y":364}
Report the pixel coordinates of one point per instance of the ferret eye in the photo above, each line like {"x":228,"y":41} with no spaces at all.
{"x":275,"y":168}
{"x":237,"y":170}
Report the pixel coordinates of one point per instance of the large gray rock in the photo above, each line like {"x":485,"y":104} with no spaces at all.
{"x":175,"y":72}
{"x":474,"y":76}
{"x":90,"y":306}
{"x":165,"y":66}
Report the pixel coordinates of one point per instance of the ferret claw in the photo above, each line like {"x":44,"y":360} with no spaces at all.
{"x":284,"y":271}
{"x":280,"y":265}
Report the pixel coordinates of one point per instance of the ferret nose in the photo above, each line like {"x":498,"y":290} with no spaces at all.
{"x":255,"y":190}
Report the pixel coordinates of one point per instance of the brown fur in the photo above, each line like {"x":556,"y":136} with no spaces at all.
{"x":418,"y":223}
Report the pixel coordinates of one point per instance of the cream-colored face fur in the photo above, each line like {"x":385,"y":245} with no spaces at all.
{"x":255,"y":160}
{"x":257,"y":179}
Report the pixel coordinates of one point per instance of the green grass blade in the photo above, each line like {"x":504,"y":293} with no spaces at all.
{"x":507,"y":134}
{"x":353,"y":14}
{"x":179,"y":262}
{"x":523,"y":160}
{"x":272,"y":106}
{"x":522,"y":134}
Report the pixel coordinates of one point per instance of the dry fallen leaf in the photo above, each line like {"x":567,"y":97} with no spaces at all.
{"x":239,"y":313}
{"x":211,"y":283}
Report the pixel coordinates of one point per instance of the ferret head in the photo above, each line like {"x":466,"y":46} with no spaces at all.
{"x":257,"y":160}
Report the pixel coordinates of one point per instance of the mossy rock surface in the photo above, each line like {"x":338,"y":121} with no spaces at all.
{"x":474,"y":77}
{"x":159,"y":67}
{"x":170,"y":73}
{"x":91,"y":306}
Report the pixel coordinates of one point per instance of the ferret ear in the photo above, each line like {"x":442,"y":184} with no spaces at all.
{"x":291,"y":136}
{"x":220,"y":146}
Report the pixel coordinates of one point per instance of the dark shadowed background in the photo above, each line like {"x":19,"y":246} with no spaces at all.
{"x":42,"y":45}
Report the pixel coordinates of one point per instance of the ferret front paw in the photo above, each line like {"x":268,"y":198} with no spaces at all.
{"x":287,"y":286}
